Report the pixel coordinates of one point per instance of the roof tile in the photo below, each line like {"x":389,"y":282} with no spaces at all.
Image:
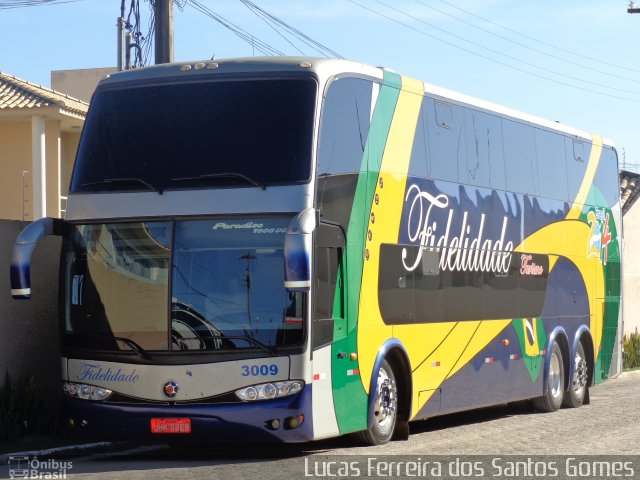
{"x":16,"y":93}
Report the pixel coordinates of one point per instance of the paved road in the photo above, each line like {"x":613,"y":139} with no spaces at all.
{"x":609,"y":426}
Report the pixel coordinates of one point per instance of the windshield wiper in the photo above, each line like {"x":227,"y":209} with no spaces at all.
{"x":212,"y":176}
{"x":255,"y":342}
{"x":107,"y":181}
{"x":141,"y":352}
{"x":252,"y":341}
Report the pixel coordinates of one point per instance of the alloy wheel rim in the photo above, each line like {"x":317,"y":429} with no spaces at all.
{"x":579,"y":375}
{"x":386,"y":400}
{"x":555,"y":377}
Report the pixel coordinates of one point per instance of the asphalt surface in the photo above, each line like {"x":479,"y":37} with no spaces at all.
{"x":608,"y":427}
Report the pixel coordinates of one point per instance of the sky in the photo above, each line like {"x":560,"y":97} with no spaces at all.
{"x":571,"y":61}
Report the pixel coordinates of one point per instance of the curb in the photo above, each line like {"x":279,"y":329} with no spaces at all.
{"x":629,"y":373}
{"x":83,"y":448}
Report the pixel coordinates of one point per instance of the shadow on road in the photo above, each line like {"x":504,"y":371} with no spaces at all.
{"x":255,"y":458}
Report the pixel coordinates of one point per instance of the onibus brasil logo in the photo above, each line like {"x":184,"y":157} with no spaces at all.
{"x":26,"y":467}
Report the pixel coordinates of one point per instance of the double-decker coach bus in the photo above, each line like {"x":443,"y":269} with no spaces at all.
{"x":292,"y":249}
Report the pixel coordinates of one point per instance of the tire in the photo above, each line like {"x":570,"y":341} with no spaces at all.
{"x":552,"y":399}
{"x":385,"y":408}
{"x":577,"y":392}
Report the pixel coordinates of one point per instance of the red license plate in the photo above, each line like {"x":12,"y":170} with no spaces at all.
{"x":170,"y":425}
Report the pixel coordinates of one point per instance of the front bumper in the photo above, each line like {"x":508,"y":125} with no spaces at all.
{"x":216,"y":423}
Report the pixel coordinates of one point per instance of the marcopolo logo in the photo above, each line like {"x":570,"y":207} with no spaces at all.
{"x":170,"y":389}
{"x":96,"y":373}
{"x":235,"y":226}
{"x":26,"y":467}
{"x":254,"y":227}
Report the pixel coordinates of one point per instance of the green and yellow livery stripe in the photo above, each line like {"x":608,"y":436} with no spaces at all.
{"x":349,"y":396}
{"x":376,"y":219}
{"x":386,"y":208}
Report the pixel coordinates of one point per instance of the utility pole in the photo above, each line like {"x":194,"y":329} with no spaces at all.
{"x":632,"y":8}
{"x":164,"y":31}
{"x":121,"y":39}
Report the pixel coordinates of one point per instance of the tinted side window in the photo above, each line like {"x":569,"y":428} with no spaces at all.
{"x":327,"y":261}
{"x":420,"y":158}
{"x":328,"y":322}
{"x":484,"y":163}
{"x":607,"y":178}
{"x":429,"y":294}
{"x":580,"y":151}
{"x":576,"y":153}
{"x":446,"y":144}
{"x":444,"y":115}
{"x":520,"y":157}
{"x":345,"y":126}
{"x":344,"y":129}
{"x":552,"y":170}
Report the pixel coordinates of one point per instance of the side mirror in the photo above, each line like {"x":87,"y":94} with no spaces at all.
{"x":23,"y":250}
{"x":297,"y":251}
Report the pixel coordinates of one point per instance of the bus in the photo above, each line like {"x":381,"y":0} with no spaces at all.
{"x":289,"y":249}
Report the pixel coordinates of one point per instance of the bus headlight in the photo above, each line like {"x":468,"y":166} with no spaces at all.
{"x":86,"y":392}
{"x":267,"y":391}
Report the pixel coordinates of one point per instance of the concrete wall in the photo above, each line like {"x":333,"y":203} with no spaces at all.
{"x":79,"y":83}
{"x":15,"y":157}
{"x":29,"y":338}
{"x":16,"y":201}
{"x":631,"y":270}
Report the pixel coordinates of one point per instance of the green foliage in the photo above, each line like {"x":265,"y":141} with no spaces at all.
{"x":23,"y":410}
{"x":631,"y":355}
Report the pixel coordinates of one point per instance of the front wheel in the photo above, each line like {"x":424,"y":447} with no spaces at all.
{"x":552,"y":399}
{"x":385,"y":408}
{"x":578,"y":388}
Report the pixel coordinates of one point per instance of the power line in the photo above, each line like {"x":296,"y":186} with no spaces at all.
{"x":141,"y":44}
{"x":510,"y":57}
{"x":317,"y":46}
{"x":136,"y":34}
{"x":533,"y":39}
{"x":257,"y":14}
{"x":252,"y":40}
{"x":7,"y":4}
{"x":147,"y":43}
{"x":422,"y":32}
{"x":523,"y":45}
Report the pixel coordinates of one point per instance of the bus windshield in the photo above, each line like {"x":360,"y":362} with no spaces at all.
{"x":228,"y":133}
{"x":183,"y":285}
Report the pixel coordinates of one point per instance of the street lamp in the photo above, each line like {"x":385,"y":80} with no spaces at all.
{"x":632,"y":8}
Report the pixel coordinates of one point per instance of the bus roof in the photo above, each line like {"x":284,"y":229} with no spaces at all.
{"x":324,"y":68}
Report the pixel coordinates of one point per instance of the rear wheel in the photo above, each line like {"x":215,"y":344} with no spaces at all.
{"x":552,"y":399}
{"x":578,"y":388}
{"x":385,"y":408}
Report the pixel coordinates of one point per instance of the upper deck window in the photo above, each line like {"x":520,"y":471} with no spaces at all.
{"x":234,"y":132}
